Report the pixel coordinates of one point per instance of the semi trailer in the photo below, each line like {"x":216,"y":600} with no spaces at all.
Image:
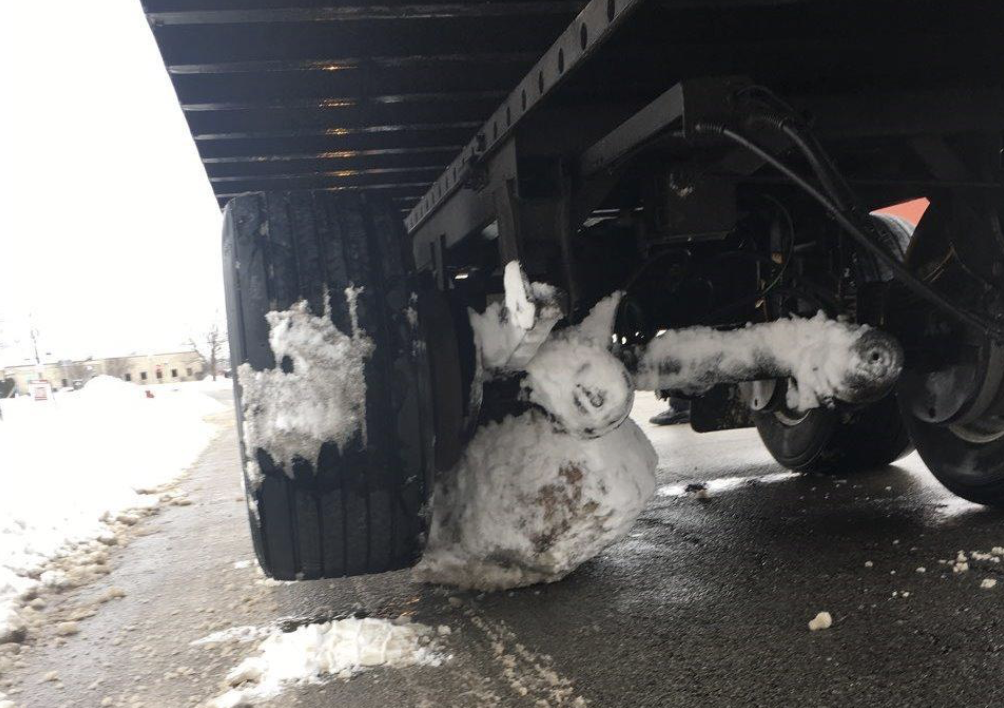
{"x":719,"y":163}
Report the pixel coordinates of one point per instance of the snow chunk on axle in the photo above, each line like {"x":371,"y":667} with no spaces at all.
{"x":316,"y":393}
{"x":826,"y":359}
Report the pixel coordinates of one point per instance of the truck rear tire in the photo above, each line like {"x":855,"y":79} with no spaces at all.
{"x":826,"y":441}
{"x":356,"y":508}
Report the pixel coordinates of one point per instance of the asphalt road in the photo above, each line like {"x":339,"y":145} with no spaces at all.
{"x":705,"y":604}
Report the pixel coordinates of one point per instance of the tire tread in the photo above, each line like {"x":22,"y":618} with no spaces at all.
{"x":359,"y":511}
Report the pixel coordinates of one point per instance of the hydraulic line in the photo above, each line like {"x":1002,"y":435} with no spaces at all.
{"x":919,"y":287}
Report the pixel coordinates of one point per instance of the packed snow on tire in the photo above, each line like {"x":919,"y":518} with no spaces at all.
{"x":536,"y":495}
{"x":76,"y":469}
{"x":321,"y":399}
{"x":314,"y":653}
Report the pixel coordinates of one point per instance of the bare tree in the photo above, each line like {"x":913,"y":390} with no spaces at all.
{"x":118,"y":366}
{"x":209,"y":347}
{"x":77,"y":371}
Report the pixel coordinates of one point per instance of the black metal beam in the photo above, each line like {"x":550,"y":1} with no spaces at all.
{"x":674,"y":112}
{"x":407,"y":189}
{"x":590,"y":30}
{"x":330,"y":155}
{"x":294,"y":133}
{"x":654,"y":119}
{"x":345,"y":63}
{"x":340,"y":102}
{"x":349,"y":176}
{"x":375,"y":11}
{"x":339,"y":120}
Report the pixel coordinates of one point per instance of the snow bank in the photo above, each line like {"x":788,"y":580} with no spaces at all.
{"x":291,"y":413}
{"x":528,"y":503}
{"x":69,"y":465}
{"x":313,"y":652}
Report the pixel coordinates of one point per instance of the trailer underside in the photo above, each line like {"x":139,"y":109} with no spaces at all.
{"x":716,"y":164}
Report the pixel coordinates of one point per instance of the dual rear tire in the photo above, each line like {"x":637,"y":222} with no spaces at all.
{"x":828,"y":441}
{"x":357,"y":507}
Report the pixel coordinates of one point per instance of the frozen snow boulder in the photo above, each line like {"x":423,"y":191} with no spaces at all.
{"x":528,"y":503}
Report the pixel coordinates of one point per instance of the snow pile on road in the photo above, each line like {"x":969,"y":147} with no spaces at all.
{"x":73,"y":466}
{"x":528,"y":503}
{"x":293,"y":412}
{"x":340,"y":648}
{"x":819,"y":353}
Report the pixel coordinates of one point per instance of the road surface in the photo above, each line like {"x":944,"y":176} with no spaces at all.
{"x":705,"y":604}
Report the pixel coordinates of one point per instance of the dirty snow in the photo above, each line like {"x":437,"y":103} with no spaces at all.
{"x":528,"y":503}
{"x":337,"y":649}
{"x":816,"y":351}
{"x":536,"y":495}
{"x":508,"y":333}
{"x":73,"y":467}
{"x":322,"y":399}
{"x":234,"y":635}
{"x":576,"y":379}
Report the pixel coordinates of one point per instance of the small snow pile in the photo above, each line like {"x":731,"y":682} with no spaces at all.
{"x":72,"y":467}
{"x":821,"y":621}
{"x":314,"y":652}
{"x":988,"y":583}
{"x":819,"y":353}
{"x":528,"y":503}
{"x":322,"y":398}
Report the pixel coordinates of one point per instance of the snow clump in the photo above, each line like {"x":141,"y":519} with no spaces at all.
{"x":536,"y":495}
{"x":314,"y":652}
{"x":322,"y":399}
{"x":821,"y":621}
{"x":528,"y":503}
{"x":576,"y":379}
{"x":508,"y":333}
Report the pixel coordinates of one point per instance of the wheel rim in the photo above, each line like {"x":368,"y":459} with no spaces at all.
{"x":961,"y":389}
{"x":789,"y":417}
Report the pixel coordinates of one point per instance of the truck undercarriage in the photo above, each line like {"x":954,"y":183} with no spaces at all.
{"x":717,"y":164}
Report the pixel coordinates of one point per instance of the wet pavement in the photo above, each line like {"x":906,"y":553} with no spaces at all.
{"x":706,"y":603}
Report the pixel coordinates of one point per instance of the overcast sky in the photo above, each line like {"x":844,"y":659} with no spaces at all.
{"x":109,"y":232}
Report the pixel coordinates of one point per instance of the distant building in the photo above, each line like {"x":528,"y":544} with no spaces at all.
{"x":142,"y":369}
